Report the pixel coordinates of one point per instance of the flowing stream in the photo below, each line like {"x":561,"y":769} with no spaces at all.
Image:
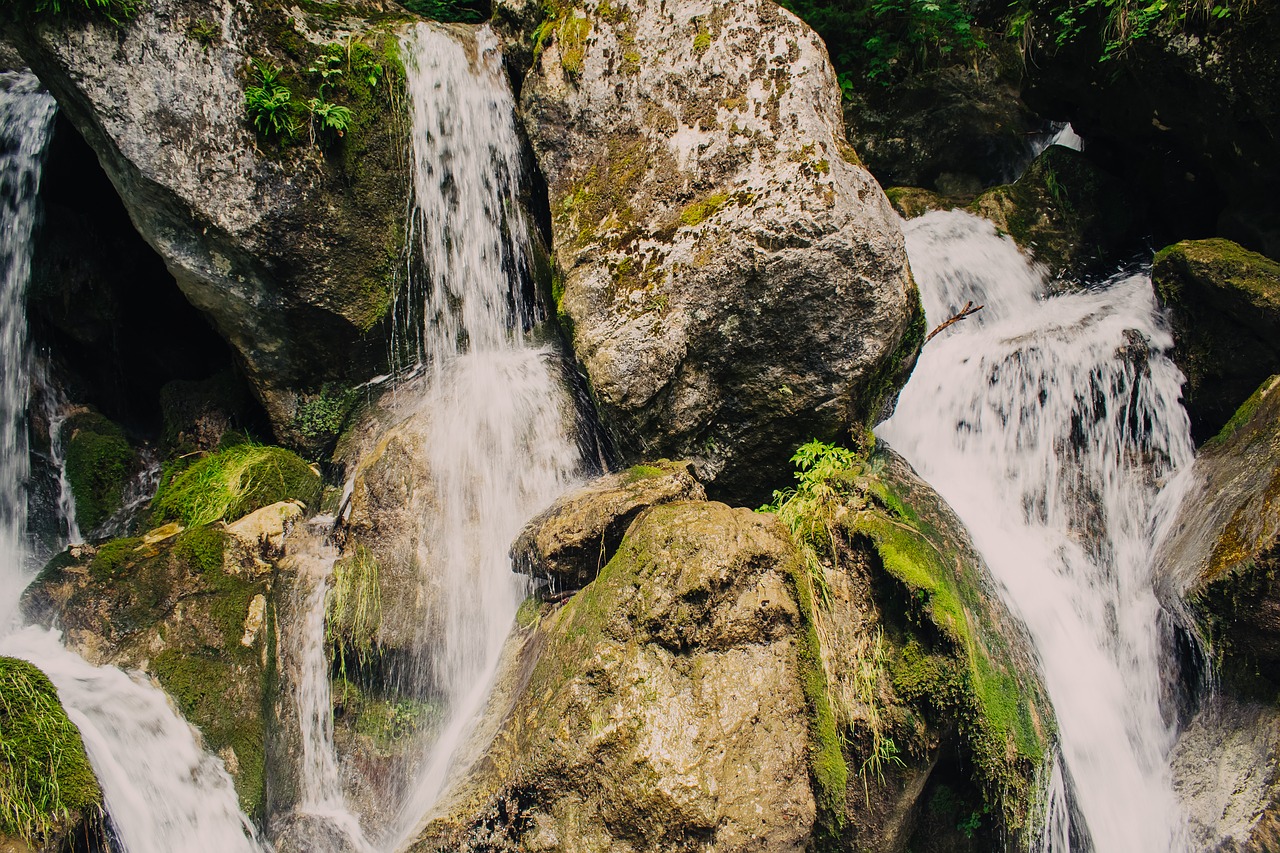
{"x":163,"y":792}
{"x":1051,"y":423}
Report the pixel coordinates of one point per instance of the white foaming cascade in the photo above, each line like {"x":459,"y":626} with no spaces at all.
{"x":498,"y":438}
{"x":163,"y":792}
{"x":1050,"y":424}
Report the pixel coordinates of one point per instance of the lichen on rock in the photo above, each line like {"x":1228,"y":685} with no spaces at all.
{"x":731,"y":275}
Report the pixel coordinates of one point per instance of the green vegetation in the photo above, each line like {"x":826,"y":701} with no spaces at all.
{"x":319,"y":418}
{"x":99,"y":463}
{"x":269,"y":104}
{"x":353,"y":608}
{"x":234,"y":482}
{"x":1244,"y":414}
{"x":204,"y":32}
{"x":448,"y":11}
{"x":45,"y":777}
{"x":703,"y":209}
{"x":118,"y":12}
{"x":563,"y":23}
{"x":883,"y":40}
{"x":1116,"y":24}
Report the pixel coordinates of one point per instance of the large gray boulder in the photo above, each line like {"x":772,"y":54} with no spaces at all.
{"x":734,"y":281}
{"x":291,"y":251}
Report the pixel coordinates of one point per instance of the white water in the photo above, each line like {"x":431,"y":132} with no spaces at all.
{"x":1050,"y":428}
{"x":162,"y":791}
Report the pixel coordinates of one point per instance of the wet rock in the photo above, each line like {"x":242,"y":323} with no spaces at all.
{"x":661,"y":706}
{"x":99,"y":462}
{"x":1224,"y":303}
{"x":911,"y":202}
{"x":188,"y":607}
{"x":576,"y":536}
{"x":1067,"y":213}
{"x":290,"y":250}
{"x":733,"y":280}
{"x":1219,"y":560}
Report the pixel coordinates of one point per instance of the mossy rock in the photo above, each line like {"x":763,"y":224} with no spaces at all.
{"x":99,"y":463}
{"x":190,"y":607}
{"x":911,"y":202}
{"x":46,"y":782}
{"x":234,"y":482}
{"x":1067,"y":212}
{"x":1224,"y":303}
{"x":197,"y":414}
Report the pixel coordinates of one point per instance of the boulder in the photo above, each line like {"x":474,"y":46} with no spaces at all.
{"x":1067,"y":213}
{"x":1224,"y":305}
{"x":290,"y":248}
{"x":189,"y":607}
{"x":1219,"y":559}
{"x":732,"y":279}
{"x":663,"y":706}
{"x":577,"y":535}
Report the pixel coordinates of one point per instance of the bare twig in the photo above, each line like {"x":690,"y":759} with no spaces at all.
{"x":964,"y":312}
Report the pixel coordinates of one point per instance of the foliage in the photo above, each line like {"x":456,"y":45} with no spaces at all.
{"x":204,"y":32}
{"x":269,"y":106}
{"x":99,"y":462}
{"x":448,"y":11}
{"x":1117,"y":24}
{"x":319,"y":418}
{"x":118,"y":12}
{"x":331,"y":117}
{"x":234,"y":482}
{"x":353,"y":607}
{"x":44,"y":773}
{"x":884,"y":39}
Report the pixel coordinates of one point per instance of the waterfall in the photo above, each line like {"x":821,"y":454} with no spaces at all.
{"x":1050,"y":424}
{"x":163,"y":792}
{"x":498,"y":435}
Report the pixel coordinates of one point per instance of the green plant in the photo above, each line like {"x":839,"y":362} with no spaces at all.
{"x":205,"y":32}
{"x":44,"y":772}
{"x":118,"y":12}
{"x":268,"y":105}
{"x":449,"y":11}
{"x":331,"y":117}
{"x":234,"y":482}
{"x":353,"y":606}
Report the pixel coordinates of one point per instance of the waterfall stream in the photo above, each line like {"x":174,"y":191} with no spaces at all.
{"x":1050,"y":424}
{"x":163,"y":792}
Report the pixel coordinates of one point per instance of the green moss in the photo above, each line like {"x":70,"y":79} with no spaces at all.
{"x":320,"y":418}
{"x":873,"y":395}
{"x":45,"y":777}
{"x":353,"y":609}
{"x":112,"y":558}
{"x":234,"y":482}
{"x":702,"y":41}
{"x":99,"y":463}
{"x":1244,"y":414}
{"x":636,"y":473}
{"x":703,"y":209}
{"x":209,"y":694}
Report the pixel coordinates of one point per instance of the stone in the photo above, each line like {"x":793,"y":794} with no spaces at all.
{"x":1224,"y":306}
{"x":732,"y":279}
{"x":266,"y":527}
{"x":291,"y":251}
{"x":576,"y":536}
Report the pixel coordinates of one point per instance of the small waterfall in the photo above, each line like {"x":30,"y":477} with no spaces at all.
{"x":26,"y":122}
{"x":163,"y":792}
{"x":1051,"y":423}
{"x":499,"y":423}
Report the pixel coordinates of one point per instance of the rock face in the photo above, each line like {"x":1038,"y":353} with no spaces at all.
{"x":572,"y":540}
{"x":733,"y":279}
{"x":702,"y":692}
{"x":1188,"y":111}
{"x":663,"y":708}
{"x":955,"y":130}
{"x":190,"y":607}
{"x":289,"y":250}
{"x":1067,"y":213}
{"x":1222,"y":553}
{"x":1224,"y":302}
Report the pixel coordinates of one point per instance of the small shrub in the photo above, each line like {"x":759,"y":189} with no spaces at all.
{"x":268,"y":105}
{"x":447,"y":11}
{"x":118,"y":12}
{"x":234,"y":482}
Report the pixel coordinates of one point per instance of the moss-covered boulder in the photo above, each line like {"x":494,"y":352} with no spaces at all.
{"x":576,"y":536}
{"x":191,"y":607}
{"x":732,"y":278}
{"x":1224,"y":303}
{"x":231,"y":483}
{"x":49,"y":796}
{"x":99,"y":462}
{"x":664,"y":707}
{"x":1068,"y":213}
{"x":290,"y":240}
{"x":911,"y":202}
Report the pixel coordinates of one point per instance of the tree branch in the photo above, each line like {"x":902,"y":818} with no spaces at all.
{"x":964,"y":312}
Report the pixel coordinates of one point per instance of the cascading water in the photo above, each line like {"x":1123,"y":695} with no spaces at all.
{"x":499,"y":423}
{"x":1050,"y":424}
{"x":162,"y":791}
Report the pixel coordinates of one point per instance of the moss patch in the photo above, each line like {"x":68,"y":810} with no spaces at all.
{"x":45,"y":777}
{"x":99,"y":463}
{"x":234,"y":482}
